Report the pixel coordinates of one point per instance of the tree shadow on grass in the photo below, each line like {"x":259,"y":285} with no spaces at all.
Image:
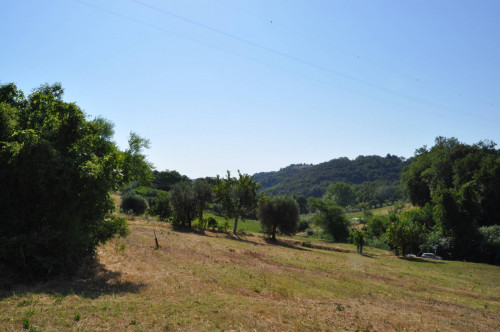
{"x":420,"y":260}
{"x":92,"y":281}
{"x":284,"y":244}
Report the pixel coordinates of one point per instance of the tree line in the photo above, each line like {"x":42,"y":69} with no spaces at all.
{"x":58,"y":169}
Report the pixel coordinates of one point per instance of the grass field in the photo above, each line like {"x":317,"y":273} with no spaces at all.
{"x":214,"y":281}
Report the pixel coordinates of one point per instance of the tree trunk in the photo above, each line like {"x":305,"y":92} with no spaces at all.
{"x":274,"y":233}
{"x":235,"y":225}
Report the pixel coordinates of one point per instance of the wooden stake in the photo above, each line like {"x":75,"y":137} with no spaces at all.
{"x":156,"y":239}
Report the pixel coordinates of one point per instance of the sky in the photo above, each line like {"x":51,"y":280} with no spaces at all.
{"x":257,"y":85}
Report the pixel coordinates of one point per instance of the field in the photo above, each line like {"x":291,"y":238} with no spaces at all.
{"x":214,"y":281}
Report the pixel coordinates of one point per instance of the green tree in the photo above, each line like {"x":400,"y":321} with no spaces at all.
{"x":278,"y":214}
{"x":341,"y":193}
{"x":237,"y":196}
{"x":164,"y":180}
{"x":462,"y":183}
{"x":161,"y":206}
{"x":405,"y":235}
{"x":358,"y":238}
{"x":331,"y":218}
{"x":135,"y":167}
{"x":203,"y":195}
{"x":183,"y":201}
{"x":57,"y":170}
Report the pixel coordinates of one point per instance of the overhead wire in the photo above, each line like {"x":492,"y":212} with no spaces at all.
{"x":356,"y":56}
{"x":249,"y":58}
{"x":293,"y":58}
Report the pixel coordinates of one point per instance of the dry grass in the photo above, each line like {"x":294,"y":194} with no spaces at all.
{"x":213,"y":281}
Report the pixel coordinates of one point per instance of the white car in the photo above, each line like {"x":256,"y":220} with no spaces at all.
{"x":431,"y":255}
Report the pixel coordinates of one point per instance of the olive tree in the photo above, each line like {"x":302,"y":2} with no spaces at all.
{"x":278,"y":214}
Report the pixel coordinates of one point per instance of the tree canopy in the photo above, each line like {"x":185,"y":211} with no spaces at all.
{"x":238,"y":197}
{"x":57,"y":170}
{"x":278,"y":214}
{"x":462,"y":184}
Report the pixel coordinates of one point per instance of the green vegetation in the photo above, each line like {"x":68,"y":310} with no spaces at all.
{"x":237,"y":196}
{"x":57,"y":170}
{"x":460,"y":184}
{"x":278,"y":214}
{"x":221,"y":282}
{"x":376,"y":179}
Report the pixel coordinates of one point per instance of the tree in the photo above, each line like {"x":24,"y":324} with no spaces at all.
{"x":405,"y":235}
{"x":237,"y":196}
{"x":341,"y":193}
{"x":57,"y":170}
{"x":183,"y":201}
{"x":462,"y":185}
{"x":164,"y":180}
{"x":278,"y":213}
{"x":331,"y":217}
{"x":203,"y":196}
{"x":161,"y":206}
{"x":358,"y":238}
{"x":134,"y":163}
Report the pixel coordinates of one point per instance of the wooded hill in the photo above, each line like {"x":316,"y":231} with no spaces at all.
{"x":312,"y":180}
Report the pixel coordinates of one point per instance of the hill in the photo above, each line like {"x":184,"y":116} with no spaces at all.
{"x":312,"y":180}
{"x":213,"y":281}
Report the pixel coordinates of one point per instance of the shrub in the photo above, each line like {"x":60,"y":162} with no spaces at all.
{"x":134,"y":202}
{"x":303,"y":225}
{"x":211,"y":223}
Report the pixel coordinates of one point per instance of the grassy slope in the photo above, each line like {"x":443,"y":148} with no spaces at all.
{"x":214,"y":281}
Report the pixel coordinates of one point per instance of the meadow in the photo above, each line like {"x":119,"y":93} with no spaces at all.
{"x":202,"y":281}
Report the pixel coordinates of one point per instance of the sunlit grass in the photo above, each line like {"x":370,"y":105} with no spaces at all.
{"x":208,"y":281}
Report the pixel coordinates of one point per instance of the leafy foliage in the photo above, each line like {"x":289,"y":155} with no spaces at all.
{"x":278,"y":214}
{"x":237,"y":197}
{"x":341,"y":193}
{"x":164,"y":180}
{"x":183,"y":202}
{"x":133,"y":202}
{"x":161,"y":206}
{"x":331,"y":218}
{"x":56,"y":170}
{"x":313,"y":180}
{"x":462,"y":184}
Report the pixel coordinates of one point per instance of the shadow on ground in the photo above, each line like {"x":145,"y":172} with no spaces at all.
{"x":92,"y":281}
{"x":420,"y":260}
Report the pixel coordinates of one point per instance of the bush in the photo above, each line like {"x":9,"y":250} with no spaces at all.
{"x":303,"y":225}
{"x":134,"y":202}
{"x":309,"y":232}
{"x":211,"y":223}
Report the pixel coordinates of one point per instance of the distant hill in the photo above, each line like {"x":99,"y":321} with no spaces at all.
{"x":312,"y":180}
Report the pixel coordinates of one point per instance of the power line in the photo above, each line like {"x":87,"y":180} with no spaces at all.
{"x":293,"y":58}
{"x":183,"y":36}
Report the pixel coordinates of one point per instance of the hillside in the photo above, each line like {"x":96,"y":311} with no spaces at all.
{"x":312,"y":180}
{"x":213,"y":281}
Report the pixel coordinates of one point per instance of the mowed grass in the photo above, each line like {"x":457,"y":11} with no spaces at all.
{"x":214,"y":281}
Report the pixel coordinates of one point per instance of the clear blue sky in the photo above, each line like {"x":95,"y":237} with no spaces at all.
{"x":258,"y":85}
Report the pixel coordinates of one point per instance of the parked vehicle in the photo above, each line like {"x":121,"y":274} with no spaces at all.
{"x":431,"y":255}
{"x":411,"y":256}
